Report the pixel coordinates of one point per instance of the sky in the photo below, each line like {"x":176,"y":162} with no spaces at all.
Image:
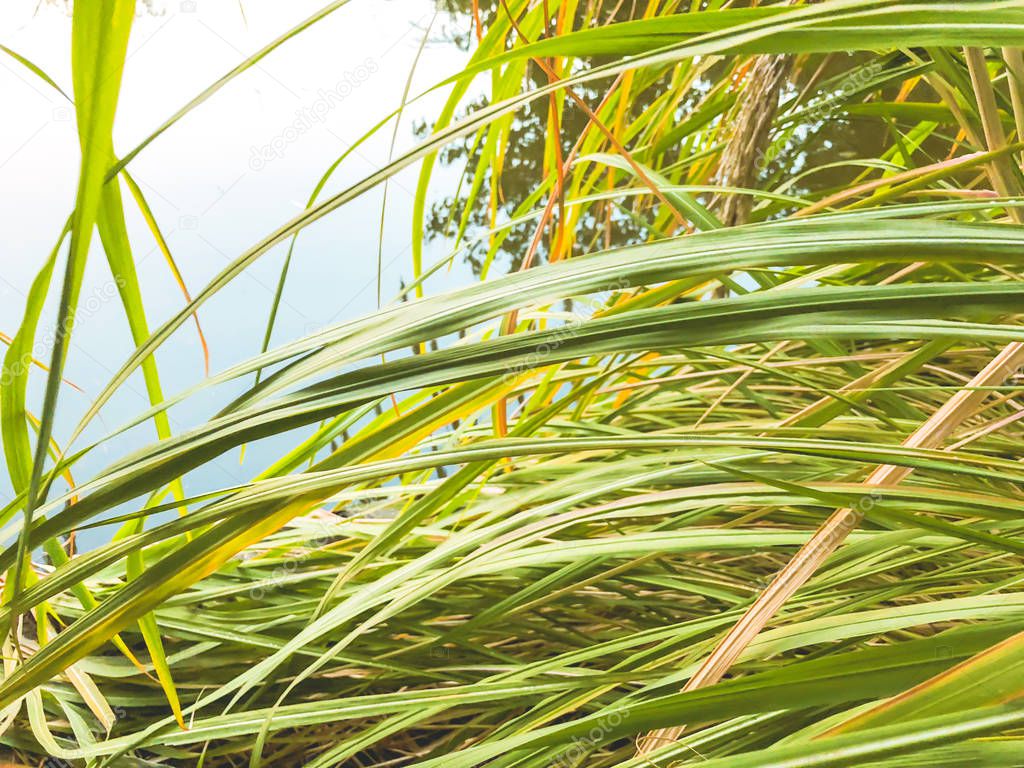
{"x":236,"y":168}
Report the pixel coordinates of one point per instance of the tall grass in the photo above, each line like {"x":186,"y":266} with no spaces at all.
{"x":752,"y":497}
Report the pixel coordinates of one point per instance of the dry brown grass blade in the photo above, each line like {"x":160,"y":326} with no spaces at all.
{"x":834,"y":531}
{"x":887,"y":181}
{"x":1015,"y":67}
{"x":1002,"y":174}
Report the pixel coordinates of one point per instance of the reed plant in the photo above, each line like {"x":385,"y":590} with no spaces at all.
{"x":726,"y":471}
